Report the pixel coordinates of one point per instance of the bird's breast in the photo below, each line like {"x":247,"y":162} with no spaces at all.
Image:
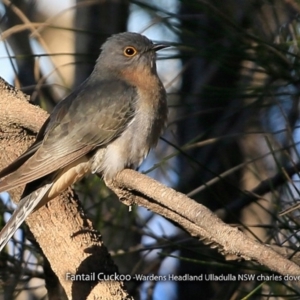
{"x":141,"y":134}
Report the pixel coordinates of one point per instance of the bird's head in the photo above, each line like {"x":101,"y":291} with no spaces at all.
{"x":128,"y":52}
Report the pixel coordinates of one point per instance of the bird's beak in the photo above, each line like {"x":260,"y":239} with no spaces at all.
{"x":158,"y":47}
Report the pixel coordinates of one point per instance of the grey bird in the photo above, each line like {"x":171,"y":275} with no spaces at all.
{"x":110,"y":122}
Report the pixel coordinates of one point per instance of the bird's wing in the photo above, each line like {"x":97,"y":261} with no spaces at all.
{"x":27,"y":154}
{"x":19,"y":161}
{"x":91,"y":117}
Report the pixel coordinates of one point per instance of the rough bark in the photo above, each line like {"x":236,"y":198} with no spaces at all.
{"x":64,"y":233}
{"x":134,"y":188}
{"x":67,"y":237}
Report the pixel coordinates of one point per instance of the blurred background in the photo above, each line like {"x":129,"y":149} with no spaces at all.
{"x":232,"y":142}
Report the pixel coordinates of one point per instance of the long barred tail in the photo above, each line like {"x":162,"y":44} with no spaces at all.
{"x":24,"y":208}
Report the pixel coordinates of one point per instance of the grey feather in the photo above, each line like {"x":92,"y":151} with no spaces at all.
{"x":24,"y":208}
{"x":110,"y":122}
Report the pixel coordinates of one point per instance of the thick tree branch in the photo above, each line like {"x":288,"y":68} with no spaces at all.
{"x":134,"y":188}
{"x":67,"y":237}
{"x":61,"y":228}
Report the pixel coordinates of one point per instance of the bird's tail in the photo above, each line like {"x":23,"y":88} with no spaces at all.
{"x":24,"y":208}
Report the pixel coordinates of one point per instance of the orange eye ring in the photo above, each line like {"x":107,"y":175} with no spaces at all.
{"x":130,"y":51}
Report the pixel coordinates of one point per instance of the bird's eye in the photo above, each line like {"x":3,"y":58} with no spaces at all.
{"x":130,"y":51}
